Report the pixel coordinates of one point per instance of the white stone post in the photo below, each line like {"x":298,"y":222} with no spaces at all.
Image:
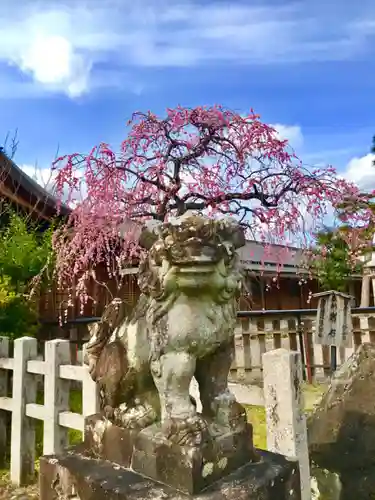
{"x":365,"y":291}
{"x":286,"y":421}
{"x":56,"y":396}
{"x":90,"y":395}
{"x":4,"y":353}
{"x":23,"y":431}
{"x":239,"y":351}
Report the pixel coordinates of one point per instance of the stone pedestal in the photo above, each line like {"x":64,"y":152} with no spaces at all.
{"x":186,"y":468}
{"x":75,"y":476}
{"x":109,"y":442}
{"x":191,"y":469}
{"x":116,"y":463}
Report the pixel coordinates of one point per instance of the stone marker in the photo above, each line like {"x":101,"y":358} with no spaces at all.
{"x":286,"y":421}
{"x":341,"y":429}
{"x":334,"y":319}
{"x":182,"y":327}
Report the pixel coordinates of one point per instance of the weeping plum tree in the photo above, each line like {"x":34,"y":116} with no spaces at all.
{"x":208,"y":159}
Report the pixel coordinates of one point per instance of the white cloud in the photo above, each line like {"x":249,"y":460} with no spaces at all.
{"x":362,"y":171}
{"x":69,"y":46}
{"x":292,"y":133}
{"x":43,"y":176}
{"x":42,"y":45}
{"x":51,"y":59}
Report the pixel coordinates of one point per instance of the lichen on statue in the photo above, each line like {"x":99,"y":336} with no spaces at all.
{"x":182,"y":326}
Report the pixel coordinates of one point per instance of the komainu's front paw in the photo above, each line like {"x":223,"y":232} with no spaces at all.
{"x":185,"y":432}
{"x":139,"y":416}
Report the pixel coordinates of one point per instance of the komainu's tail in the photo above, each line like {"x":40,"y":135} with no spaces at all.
{"x":115,"y":313}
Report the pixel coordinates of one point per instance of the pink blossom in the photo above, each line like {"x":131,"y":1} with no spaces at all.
{"x":206,"y":158}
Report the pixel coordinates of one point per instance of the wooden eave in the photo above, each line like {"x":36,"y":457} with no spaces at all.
{"x":22,"y":191}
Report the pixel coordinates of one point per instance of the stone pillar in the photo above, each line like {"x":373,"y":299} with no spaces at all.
{"x":286,"y":421}
{"x":22,"y":450}
{"x":368,"y":280}
{"x":365,"y":291}
{"x":56,"y":396}
{"x":4,"y":353}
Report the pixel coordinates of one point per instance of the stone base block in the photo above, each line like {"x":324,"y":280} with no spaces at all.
{"x":185,"y":468}
{"x":71,"y":475}
{"x":109,"y":442}
{"x":191,"y":469}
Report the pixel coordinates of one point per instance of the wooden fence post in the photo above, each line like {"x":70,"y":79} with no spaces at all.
{"x":286,"y":421}
{"x":23,"y":431}
{"x":4,"y":353}
{"x":56,"y":396}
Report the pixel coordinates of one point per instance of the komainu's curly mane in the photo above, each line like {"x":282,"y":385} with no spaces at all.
{"x":115,"y":313}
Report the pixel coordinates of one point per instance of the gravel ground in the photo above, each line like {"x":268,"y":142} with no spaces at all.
{"x":9,"y":492}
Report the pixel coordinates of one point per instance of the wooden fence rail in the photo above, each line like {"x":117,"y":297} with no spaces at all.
{"x":258,"y":332}
{"x":262,"y":333}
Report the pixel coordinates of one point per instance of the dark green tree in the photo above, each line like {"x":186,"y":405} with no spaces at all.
{"x":330,"y":261}
{"x":335,"y":256}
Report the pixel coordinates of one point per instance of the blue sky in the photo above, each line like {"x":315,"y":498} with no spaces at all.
{"x":72,"y":72}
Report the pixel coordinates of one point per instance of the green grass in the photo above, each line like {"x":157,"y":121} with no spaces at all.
{"x":256,"y":415}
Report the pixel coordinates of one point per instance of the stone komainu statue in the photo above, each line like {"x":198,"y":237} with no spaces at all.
{"x":182,"y":326}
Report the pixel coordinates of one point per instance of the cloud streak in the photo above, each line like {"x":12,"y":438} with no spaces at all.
{"x":64,"y":46}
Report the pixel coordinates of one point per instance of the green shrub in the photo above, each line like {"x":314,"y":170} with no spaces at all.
{"x":25,"y":253}
{"x":17,"y":316}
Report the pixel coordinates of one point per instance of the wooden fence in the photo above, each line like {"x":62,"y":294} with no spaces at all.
{"x":263,"y":331}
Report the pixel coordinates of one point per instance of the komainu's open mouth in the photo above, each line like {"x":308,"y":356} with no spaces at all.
{"x":196,"y":269}
{"x":198,"y":264}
